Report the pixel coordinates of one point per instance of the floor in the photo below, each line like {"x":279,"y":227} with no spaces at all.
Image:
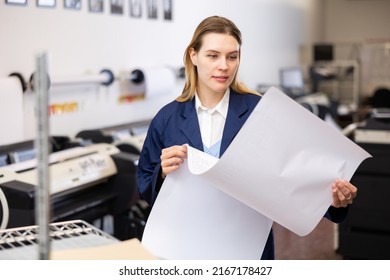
{"x":318,"y":245}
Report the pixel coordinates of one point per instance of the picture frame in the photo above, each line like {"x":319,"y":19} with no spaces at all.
{"x":151,"y":6}
{"x":116,"y":7}
{"x":135,"y":8}
{"x":46,"y":3}
{"x":72,"y":4}
{"x":167,"y":9}
{"x":96,"y":6}
{"x":16,"y":2}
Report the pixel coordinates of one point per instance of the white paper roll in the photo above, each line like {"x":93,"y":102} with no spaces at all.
{"x":11,"y":111}
{"x":159,"y":81}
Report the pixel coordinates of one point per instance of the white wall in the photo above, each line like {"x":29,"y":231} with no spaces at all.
{"x":356,"y":20}
{"x":359,"y":30}
{"x":81,"y":42}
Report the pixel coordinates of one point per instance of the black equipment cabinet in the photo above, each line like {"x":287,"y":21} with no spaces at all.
{"x":365,"y":234}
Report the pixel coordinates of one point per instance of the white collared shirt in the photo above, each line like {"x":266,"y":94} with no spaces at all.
{"x":212,"y":121}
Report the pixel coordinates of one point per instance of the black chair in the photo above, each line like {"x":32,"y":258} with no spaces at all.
{"x":381,"y":98}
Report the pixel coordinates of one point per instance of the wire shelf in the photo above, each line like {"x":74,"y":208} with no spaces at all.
{"x":22,"y":242}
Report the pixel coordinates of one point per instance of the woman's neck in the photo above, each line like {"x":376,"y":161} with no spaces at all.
{"x":211,"y":99}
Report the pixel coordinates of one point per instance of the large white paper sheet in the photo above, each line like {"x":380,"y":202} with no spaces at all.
{"x":192,"y":219}
{"x":279,"y":167}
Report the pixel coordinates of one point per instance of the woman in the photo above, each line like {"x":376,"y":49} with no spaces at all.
{"x":208,"y":114}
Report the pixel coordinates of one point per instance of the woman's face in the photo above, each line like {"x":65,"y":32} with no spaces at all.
{"x":217,"y":62}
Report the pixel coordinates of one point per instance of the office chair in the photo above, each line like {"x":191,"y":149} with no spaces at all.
{"x":379,"y":117}
{"x":381,"y":98}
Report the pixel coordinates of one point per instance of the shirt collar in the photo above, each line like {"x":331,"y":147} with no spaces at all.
{"x":221,"y":107}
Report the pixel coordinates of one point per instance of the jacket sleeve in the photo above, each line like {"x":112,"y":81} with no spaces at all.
{"x":149,"y":166}
{"x":336,"y":215}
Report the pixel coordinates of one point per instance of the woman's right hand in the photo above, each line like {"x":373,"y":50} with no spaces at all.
{"x":172,"y":158}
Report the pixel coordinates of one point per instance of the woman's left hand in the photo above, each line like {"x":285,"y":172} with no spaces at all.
{"x":343,"y":193}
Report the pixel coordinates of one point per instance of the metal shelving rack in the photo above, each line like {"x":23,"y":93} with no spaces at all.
{"x":37,"y":241}
{"x":22,"y":243}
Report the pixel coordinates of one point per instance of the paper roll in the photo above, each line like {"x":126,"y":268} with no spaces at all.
{"x":11,"y":111}
{"x":159,"y":81}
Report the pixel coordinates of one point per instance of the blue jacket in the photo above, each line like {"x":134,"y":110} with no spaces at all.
{"x":176,"y":124}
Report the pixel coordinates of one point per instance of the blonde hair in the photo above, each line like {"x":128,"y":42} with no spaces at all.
{"x":213,"y":24}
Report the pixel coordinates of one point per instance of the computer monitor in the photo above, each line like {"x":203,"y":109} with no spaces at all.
{"x":322,"y":52}
{"x":291,"y":78}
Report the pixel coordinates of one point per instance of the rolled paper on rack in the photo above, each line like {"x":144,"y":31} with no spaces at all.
{"x":11,"y":108}
{"x":158,"y":80}
{"x":137,"y":76}
{"x":33,"y":78}
{"x":105,"y":77}
{"x":22,"y":81}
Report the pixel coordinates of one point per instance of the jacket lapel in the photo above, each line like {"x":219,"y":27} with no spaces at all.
{"x":190,"y":125}
{"x":235,"y":120}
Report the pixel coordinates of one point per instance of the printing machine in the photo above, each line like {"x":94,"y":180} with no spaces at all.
{"x":127,"y":137}
{"x":87,"y":183}
{"x":365,"y":234}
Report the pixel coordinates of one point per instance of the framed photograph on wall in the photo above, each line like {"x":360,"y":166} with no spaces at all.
{"x":135,"y":8}
{"x":96,"y":6}
{"x":16,"y":2}
{"x":46,"y":3}
{"x":167,"y":8}
{"x":72,"y":4}
{"x":116,"y":7}
{"x":152,"y":9}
